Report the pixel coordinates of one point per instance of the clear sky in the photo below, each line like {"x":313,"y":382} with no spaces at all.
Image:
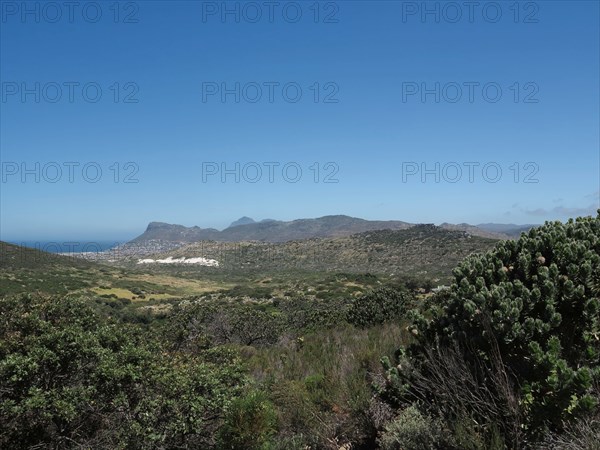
{"x":396,"y":98}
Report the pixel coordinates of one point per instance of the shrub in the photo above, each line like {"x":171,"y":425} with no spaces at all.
{"x":200,"y":324}
{"x":249,"y":424}
{"x":581,"y":435}
{"x":478,"y":415}
{"x":378,"y":306}
{"x":410,"y":430}
{"x":69,"y":379}
{"x":535,"y":304}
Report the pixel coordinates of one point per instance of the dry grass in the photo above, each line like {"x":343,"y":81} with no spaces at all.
{"x":157,"y":287}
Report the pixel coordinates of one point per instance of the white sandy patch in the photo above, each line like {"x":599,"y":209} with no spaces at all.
{"x":170,"y":260}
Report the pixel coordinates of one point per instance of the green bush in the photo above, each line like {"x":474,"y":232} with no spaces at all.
{"x":303,"y":314}
{"x":69,"y":378}
{"x":250,"y":423}
{"x":378,"y":306}
{"x":410,"y":430}
{"x":207,"y":323}
{"x":532,"y":306}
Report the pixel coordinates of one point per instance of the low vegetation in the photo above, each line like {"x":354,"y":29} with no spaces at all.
{"x":511,"y":353}
{"x":71,"y":378}
{"x":507,"y":357}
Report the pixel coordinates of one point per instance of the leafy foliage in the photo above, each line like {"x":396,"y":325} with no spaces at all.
{"x":378,"y":306}
{"x":535,"y":304}
{"x":70,"y":378}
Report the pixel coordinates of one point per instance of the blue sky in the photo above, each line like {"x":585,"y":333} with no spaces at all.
{"x":533,"y":73}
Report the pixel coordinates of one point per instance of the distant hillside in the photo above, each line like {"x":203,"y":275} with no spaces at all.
{"x":270,"y":230}
{"x":17,"y":257}
{"x":422,"y":250}
{"x":474,"y":231}
{"x":242,"y":221}
{"x":24,"y":269}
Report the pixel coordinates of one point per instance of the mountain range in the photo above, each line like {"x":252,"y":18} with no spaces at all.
{"x":247,"y":229}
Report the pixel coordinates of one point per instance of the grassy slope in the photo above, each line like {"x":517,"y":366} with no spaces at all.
{"x":27,"y":270}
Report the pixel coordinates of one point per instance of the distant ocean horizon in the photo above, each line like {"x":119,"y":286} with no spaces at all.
{"x":70,"y":246}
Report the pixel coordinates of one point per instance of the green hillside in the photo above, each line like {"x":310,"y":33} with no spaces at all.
{"x":426,"y":251}
{"x":24,"y":269}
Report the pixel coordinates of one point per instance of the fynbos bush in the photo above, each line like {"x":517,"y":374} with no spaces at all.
{"x":532,"y":305}
{"x":379,"y":306}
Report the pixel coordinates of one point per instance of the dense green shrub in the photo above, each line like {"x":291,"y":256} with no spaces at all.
{"x":378,"y":306}
{"x":301,"y":314}
{"x":69,"y":378}
{"x":202,"y":323}
{"x":534,"y":304}
{"x":250,"y":423}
